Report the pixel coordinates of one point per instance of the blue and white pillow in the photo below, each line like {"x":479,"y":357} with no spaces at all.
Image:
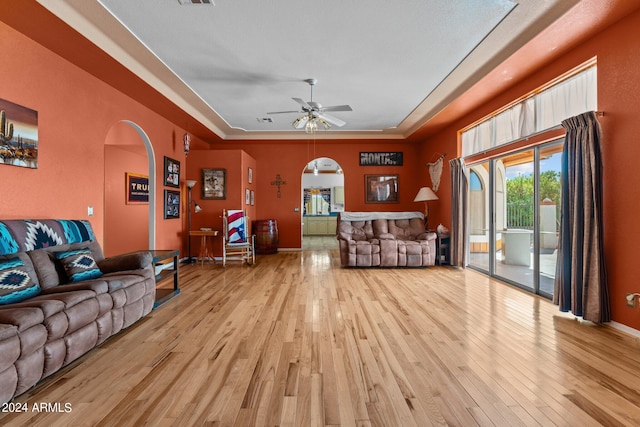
{"x":78,"y":265}
{"x":15,"y":282}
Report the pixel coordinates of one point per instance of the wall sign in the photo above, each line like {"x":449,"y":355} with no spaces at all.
{"x":388,"y":158}
{"x":137,"y":188}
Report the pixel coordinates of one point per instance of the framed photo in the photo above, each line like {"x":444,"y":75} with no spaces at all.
{"x":137,"y":189}
{"x":171,"y":204}
{"x":253,"y":198}
{"x":171,"y":172}
{"x":247,"y":196}
{"x":214,"y":184}
{"x":381,"y":189}
{"x":250,"y":174}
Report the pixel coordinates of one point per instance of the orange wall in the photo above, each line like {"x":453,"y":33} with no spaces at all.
{"x":76,"y":113}
{"x":618,"y":51}
{"x":289,"y":158}
{"x":237,"y":164}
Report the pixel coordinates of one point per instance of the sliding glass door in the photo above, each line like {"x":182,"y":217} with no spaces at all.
{"x":549,"y":203}
{"x":515,"y":210}
{"x":479,"y":214}
{"x":513,"y":218}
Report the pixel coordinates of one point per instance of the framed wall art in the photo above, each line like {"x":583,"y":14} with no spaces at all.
{"x":381,"y":189}
{"x":171,"y":204}
{"x":250,"y":175}
{"x":247,"y":196}
{"x":171,"y":172}
{"x":214,"y":184}
{"x":137,"y":188}
{"x":18,"y":135}
{"x":253,"y":198}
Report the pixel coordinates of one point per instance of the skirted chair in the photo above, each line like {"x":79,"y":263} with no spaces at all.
{"x":238,"y":243}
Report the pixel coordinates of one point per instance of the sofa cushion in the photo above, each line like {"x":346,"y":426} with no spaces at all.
{"x":406,"y":229}
{"x":16,"y":283}
{"x":78,"y":264}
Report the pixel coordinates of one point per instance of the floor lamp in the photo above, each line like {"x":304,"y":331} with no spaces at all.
{"x":190,"y":184}
{"x":424,"y":195}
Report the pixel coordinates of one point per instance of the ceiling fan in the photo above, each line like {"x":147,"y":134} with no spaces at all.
{"x":314,"y":113}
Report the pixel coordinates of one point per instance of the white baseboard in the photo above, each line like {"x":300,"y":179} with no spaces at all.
{"x":625,"y":328}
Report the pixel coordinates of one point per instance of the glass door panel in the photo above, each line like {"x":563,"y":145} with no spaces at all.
{"x":479,"y":216}
{"x":515,"y":213}
{"x":549,"y":199}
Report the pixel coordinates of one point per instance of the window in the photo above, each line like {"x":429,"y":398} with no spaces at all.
{"x":537,"y":113}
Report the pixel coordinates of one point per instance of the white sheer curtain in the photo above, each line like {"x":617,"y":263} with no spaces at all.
{"x":537,"y":113}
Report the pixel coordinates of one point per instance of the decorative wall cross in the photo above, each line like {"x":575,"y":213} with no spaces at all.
{"x":278,"y":182}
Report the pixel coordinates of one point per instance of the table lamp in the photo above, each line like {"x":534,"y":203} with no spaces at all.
{"x":424,"y":195}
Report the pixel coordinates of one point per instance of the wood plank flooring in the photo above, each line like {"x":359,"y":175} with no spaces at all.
{"x":297,"y":341}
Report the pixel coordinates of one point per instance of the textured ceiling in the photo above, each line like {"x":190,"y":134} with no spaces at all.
{"x":397,"y":65}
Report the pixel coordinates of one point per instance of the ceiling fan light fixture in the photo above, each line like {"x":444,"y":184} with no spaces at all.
{"x":315,"y":169}
{"x":311,"y":126}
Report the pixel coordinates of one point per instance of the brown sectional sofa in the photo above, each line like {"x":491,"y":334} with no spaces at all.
{"x":385,"y":239}
{"x":68,"y":298}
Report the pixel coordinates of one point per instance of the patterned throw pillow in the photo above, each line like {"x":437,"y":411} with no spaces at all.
{"x":79,"y":265}
{"x":15,"y":283}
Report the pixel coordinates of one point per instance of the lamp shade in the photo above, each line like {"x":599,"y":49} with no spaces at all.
{"x":425,"y":194}
{"x":191,"y":183}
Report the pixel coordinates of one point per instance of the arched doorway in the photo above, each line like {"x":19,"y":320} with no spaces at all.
{"x":129,"y":225}
{"x":322,"y":198}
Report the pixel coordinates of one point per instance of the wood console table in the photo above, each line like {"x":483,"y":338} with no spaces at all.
{"x":204,"y":244}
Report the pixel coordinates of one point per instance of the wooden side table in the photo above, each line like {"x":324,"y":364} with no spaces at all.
{"x":205,"y":252}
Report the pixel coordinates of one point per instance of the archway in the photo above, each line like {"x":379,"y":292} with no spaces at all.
{"x":322,"y":198}
{"x":129,"y":225}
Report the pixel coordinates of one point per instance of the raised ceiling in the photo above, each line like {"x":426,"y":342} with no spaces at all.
{"x":397,"y":65}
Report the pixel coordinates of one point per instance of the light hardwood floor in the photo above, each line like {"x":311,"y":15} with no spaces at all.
{"x":297,"y":341}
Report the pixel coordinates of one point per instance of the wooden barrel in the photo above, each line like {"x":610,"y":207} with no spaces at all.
{"x":266,"y":231}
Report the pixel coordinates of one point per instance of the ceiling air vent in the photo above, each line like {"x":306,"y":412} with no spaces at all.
{"x":196,"y":2}
{"x":264,"y":119}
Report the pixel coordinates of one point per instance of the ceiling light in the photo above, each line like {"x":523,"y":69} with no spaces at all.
{"x":315,"y":169}
{"x":311,"y":126}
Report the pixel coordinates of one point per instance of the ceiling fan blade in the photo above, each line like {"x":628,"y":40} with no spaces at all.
{"x":305,"y":106}
{"x":284,"y":112}
{"x":337,"y":108}
{"x":333,"y":120}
